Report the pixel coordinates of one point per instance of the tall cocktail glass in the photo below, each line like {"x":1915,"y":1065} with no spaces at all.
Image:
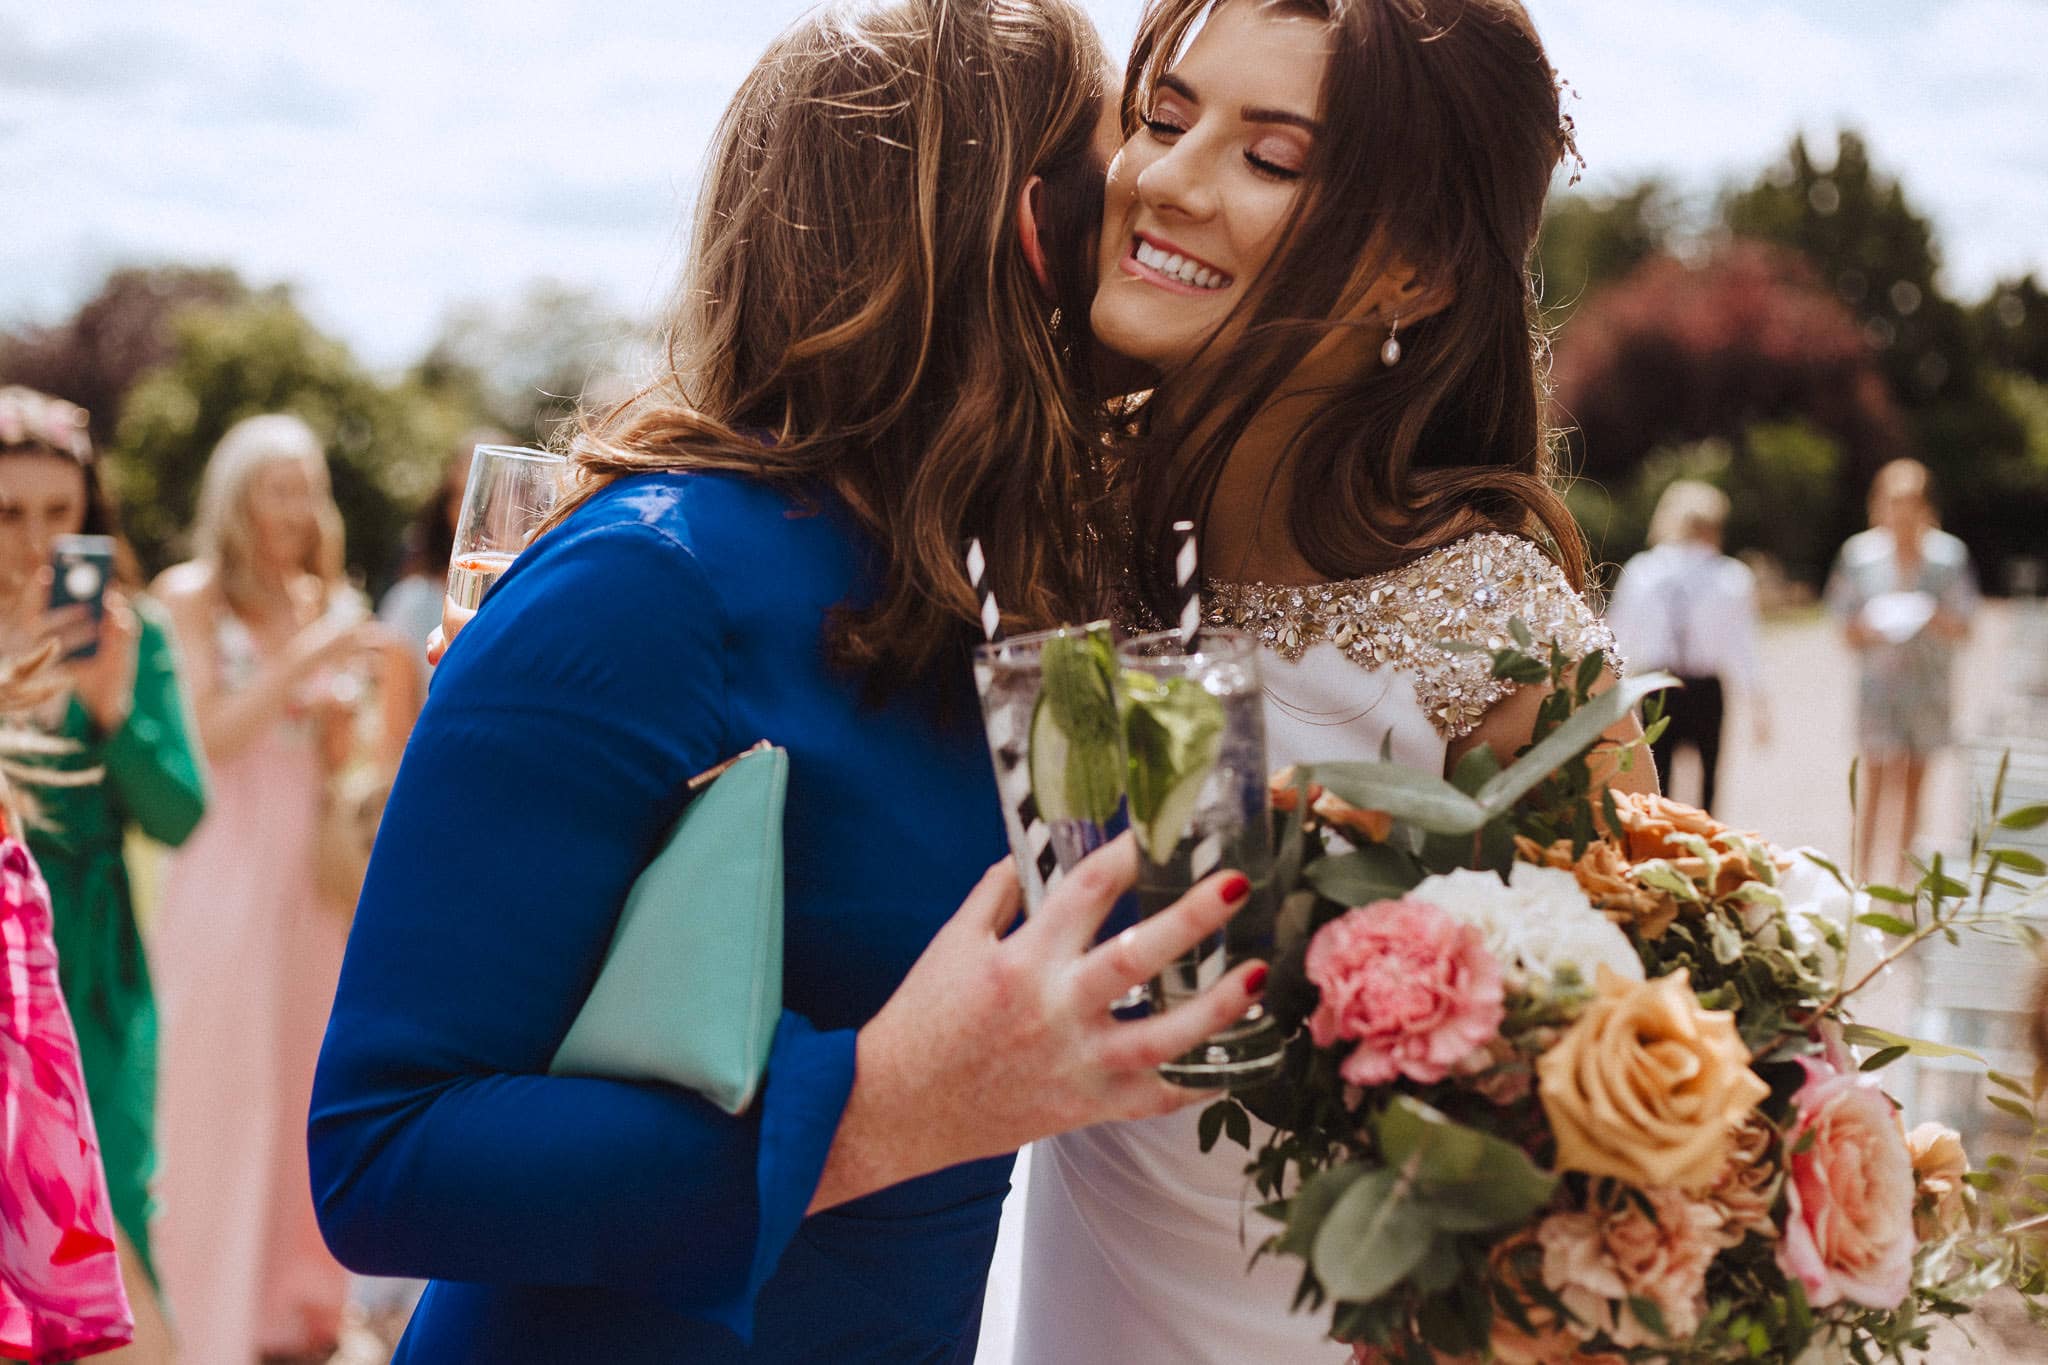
{"x":1195,"y":743}
{"x":1048,"y":701}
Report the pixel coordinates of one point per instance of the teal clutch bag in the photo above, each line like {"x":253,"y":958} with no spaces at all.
{"x":691,"y":987}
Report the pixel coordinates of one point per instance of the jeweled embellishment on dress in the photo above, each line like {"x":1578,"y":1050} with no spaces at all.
{"x":1467,"y":591}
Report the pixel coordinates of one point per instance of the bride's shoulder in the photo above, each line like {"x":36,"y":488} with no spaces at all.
{"x":1415,"y":618}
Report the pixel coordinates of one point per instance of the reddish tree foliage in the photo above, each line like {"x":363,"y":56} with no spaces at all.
{"x":116,"y":337}
{"x":1680,"y":352}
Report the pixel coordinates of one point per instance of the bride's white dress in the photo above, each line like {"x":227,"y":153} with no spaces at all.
{"x":1124,"y":1243}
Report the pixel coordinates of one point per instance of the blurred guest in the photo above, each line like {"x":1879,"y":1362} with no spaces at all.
{"x":280,"y":655}
{"x":412,"y":605}
{"x":1904,"y":593}
{"x":60,"y":1273}
{"x":121,"y":712}
{"x":1684,"y":606}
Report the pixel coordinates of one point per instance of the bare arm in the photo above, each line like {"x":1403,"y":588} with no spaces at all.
{"x":1510,"y":725}
{"x":230,"y":720}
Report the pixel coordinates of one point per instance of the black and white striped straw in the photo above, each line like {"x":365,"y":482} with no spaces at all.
{"x":1187,"y":586}
{"x":977,"y":578}
{"x":1037,"y":833}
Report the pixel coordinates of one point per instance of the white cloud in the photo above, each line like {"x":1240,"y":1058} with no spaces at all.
{"x":394,"y":158}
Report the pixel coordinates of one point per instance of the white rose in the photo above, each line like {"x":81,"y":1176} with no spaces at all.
{"x":1535,"y":923}
{"x":1813,"y":897}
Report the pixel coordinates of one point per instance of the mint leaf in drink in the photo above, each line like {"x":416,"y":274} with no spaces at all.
{"x":1173,"y":732}
{"x":1076,"y":760}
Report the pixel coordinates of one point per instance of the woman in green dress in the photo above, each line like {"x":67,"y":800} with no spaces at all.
{"x":124,"y":714}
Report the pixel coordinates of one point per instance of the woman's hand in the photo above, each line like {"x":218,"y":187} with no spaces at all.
{"x":453,"y":619}
{"x":331,"y":642}
{"x":993,"y":1042}
{"x":105,"y":682}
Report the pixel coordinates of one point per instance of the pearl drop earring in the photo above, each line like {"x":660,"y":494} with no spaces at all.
{"x":1390,"y":353}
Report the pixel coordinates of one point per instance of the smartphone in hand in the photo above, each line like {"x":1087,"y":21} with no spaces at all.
{"x":80,"y":569}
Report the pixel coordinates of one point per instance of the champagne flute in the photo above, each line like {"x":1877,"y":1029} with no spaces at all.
{"x":511,"y":491}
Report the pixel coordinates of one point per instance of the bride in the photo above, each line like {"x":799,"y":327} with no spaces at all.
{"x":1318,"y":235}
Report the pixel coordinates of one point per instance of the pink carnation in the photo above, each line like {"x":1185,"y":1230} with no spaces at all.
{"x":1849,"y":1194}
{"x":1414,"y":988}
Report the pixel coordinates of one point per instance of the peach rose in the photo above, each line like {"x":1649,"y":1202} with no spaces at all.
{"x":1749,"y":1182}
{"x":1599,"y":1259}
{"x":1549,"y":1340}
{"x":1353,"y":822}
{"x":1650,"y":826}
{"x":1603,"y":873}
{"x":1939,"y":1165}
{"x":1848,"y":1193}
{"x":1413,"y":988}
{"x":1283,"y":789}
{"x":1647,"y":1087}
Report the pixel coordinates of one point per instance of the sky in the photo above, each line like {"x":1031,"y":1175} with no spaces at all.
{"x":396,"y":159}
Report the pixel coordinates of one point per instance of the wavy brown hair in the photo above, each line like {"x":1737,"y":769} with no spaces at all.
{"x":857,"y":313}
{"x":1441,"y":129}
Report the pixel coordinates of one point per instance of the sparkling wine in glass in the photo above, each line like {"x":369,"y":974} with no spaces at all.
{"x":511,"y":491}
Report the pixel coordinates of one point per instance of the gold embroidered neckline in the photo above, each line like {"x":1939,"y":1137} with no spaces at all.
{"x":1467,"y":591}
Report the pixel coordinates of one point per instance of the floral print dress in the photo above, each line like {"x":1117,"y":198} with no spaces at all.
{"x":60,"y":1279}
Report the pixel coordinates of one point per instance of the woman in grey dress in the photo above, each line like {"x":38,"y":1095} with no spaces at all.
{"x":1904,"y":593}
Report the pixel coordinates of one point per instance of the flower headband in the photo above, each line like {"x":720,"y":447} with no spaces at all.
{"x":28,"y":418}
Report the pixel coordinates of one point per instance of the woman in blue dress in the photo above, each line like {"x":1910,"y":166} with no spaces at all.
{"x":874,"y":360}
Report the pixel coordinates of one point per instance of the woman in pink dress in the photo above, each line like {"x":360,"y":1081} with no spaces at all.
{"x":60,"y":1277}
{"x":280,"y":655}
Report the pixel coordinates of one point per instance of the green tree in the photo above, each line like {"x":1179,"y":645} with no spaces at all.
{"x":1878,"y":254}
{"x":121,"y":333}
{"x":1590,"y":241}
{"x":2012,"y":327}
{"x":526,"y":366}
{"x":227,"y":362}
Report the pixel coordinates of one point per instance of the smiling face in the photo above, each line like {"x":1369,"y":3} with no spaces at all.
{"x":1199,"y":197}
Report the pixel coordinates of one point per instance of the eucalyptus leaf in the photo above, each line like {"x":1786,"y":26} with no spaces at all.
{"x":1376,"y":872}
{"x":1590,"y":669}
{"x":1568,"y":740}
{"x":1447,"y":1151}
{"x":1479,"y":766}
{"x":1304,"y":1214}
{"x":1440,"y":1267}
{"x":1473,"y":1182}
{"x":2026,"y":817}
{"x":1209,"y":1126}
{"x":1863,"y":1035}
{"x":1889,"y":924}
{"x":1374,"y":1236}
{"x":1421,"y":799}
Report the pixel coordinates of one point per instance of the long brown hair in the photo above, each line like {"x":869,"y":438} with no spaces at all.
{"x":1441,"y":129}
{"x":857,"y":314}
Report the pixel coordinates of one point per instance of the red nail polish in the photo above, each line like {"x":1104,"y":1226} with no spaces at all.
{"x":1255,"y":980}
{"x":1235,"y":888}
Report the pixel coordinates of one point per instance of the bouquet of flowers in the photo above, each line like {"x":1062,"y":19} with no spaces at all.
{"x":1572,"y":1075}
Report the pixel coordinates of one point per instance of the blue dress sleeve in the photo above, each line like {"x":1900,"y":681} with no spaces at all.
{"x":549,"y":760}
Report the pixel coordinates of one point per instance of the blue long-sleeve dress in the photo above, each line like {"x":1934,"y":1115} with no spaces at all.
{"x":669,"y":623}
